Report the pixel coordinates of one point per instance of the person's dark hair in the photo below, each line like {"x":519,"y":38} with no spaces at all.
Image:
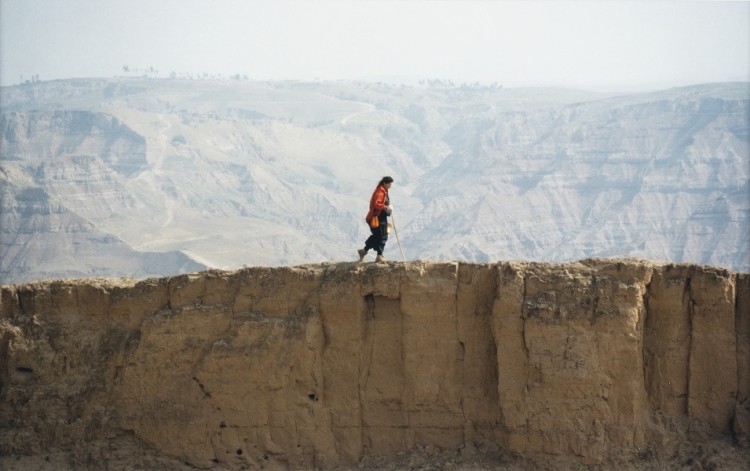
{"x":385,"y":180}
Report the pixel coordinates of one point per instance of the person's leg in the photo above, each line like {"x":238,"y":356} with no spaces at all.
{"x":377,"y":240}
{"x":373,"y":241}
{"x":382,"y":238}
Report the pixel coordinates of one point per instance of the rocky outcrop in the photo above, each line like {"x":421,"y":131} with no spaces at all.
{"x":50,"y":135}
{"x":62,"y":174}
{"x":601,"y":361}
{"x":39,"y":237}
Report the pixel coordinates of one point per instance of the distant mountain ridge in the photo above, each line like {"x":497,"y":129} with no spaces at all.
{"x":185,"y":175}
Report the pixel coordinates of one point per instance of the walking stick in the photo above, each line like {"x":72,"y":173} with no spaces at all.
{"x":397,"y":239}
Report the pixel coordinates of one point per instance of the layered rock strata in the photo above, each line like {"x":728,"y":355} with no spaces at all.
{"x":318,"y":366}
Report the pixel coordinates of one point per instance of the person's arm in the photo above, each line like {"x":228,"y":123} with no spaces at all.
{"x":380,"y":201}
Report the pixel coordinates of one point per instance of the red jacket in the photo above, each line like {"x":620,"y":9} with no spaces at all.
{"x":378,"y":203}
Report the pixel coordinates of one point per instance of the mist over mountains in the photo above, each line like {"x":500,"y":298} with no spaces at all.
{"x":151,"y":177}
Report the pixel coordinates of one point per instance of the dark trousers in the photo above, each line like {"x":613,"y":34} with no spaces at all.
{"x":378,"y":238}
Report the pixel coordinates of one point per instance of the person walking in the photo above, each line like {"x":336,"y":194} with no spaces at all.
{"x":377,"y":220}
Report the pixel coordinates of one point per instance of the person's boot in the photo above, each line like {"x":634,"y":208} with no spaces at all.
{"x":362,"y":253}
{"x":379,"y":259}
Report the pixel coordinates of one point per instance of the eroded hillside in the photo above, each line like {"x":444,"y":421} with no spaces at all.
{"x":600,"y":362}
{"x":223,"y":175}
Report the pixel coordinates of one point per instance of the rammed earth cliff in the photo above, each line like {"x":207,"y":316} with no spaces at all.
{"x":597,"y":362}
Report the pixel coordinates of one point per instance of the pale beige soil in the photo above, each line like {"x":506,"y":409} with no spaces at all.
{"x":715,"y":455}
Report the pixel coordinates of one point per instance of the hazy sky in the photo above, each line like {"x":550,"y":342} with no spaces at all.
{"x":593,"y":44}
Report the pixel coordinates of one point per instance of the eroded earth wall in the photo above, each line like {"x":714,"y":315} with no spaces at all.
{"x":318,"y":366}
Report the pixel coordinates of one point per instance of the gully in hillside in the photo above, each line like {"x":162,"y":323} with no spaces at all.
{"x":377,"y":220}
